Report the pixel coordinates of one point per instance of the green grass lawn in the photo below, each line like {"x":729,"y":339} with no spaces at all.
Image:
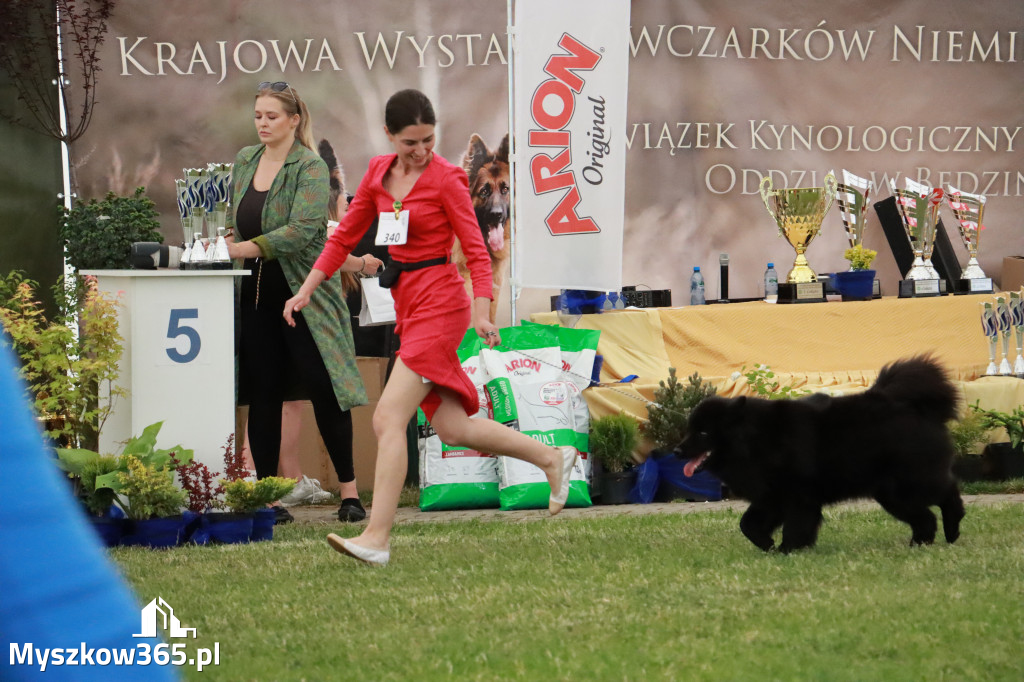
{"x":654,"y":597}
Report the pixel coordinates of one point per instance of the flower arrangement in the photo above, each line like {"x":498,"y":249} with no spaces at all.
{"x":859,"y":257}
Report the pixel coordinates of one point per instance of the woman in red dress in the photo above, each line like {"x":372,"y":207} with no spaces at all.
{"x":433,"y":313}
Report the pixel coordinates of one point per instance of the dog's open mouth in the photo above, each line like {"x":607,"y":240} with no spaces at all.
{"x":496,"y":237}
{"x":696,"y":464}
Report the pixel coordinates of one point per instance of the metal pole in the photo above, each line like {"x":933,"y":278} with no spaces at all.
{"x":513,"y":261}
{"x":62,"y":83}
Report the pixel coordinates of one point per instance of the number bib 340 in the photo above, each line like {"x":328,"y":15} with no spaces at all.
{"x":392,"y":231}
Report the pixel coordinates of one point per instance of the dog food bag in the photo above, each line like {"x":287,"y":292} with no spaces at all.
{"x":527,"y":393}
{"x":579,"y":350}
{"x":458,"y":478}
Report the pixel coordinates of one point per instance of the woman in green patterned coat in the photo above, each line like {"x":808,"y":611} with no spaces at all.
{"x":280,"y":194}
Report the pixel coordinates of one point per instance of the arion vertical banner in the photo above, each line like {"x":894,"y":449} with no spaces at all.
{"x":570,"y":77}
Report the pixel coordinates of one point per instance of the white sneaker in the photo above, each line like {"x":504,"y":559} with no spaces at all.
{"x":306,"y":491}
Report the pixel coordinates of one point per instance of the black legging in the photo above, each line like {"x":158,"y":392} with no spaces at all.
{"x":268,"y":350}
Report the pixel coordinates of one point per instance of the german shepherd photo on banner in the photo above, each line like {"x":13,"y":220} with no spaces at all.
{"x":489,"y":184}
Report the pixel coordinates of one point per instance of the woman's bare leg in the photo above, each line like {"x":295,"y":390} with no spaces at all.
{"x":403,"y":393}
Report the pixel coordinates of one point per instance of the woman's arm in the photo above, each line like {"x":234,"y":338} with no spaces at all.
{"x":301,"y":299}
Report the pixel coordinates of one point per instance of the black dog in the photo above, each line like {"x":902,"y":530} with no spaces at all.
{"x":791,"y":457}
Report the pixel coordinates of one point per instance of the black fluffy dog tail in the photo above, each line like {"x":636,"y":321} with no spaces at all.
{"x":921,"y":384}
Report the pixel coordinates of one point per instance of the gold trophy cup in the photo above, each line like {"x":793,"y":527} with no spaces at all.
{"x":799,"y":212}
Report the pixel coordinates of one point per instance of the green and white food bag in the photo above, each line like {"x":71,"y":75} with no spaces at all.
{"x":527,"y":393}
{"x":458,"y":478}
{"x":579,"y":352}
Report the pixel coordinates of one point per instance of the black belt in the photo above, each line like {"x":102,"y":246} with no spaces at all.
{"x":389,"y":276}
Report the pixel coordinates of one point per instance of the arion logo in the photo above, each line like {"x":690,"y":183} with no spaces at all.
{"x":552,"y":107}
{"x":158,"y":613}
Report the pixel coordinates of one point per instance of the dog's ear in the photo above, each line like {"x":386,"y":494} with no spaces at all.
{"x":475,"y":157}
{"x":502,"y":153}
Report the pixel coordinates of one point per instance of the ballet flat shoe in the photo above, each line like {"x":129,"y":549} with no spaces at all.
{"x":559,"y":497}
{"x":370,"y":557}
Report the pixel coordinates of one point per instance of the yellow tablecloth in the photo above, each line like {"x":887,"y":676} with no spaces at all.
{"x":825,"y":346}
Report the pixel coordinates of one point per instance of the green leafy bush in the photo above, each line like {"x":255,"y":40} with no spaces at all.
{"x":64,"y":369}
{"x":762,"y":382}
{"x":968,"y":434}
{"x":246,"y":495}
{"x":98,"y":500}
{"x":613,"y":438}
{"x":1012,"y":422}
{"x":668,"y":417}
{"x":98,"y":234}
{"x":149,"y":492}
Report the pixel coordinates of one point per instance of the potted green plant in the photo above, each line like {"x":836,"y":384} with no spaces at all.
{"x":613,"y":440}
{"x":668,"y":415}
{"x":858,"y":283}
{"x":249,"y":497}
{"x":152,"y":503}
{"x":99,"y":502}
{"x":98,"y":235}
{"x":1004,"y":460}
{"x":969,"y":435}
{"x":98,"y":476}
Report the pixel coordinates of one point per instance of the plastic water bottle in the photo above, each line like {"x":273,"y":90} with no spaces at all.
{"x":696,"y":287}
{"x":771,"y":282}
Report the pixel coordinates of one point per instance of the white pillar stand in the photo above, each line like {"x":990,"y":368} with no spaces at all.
{"x":179,"y":358}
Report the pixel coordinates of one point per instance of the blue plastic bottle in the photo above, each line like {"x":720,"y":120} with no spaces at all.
{"x":771,"y":281}
{"x":696,"y":287}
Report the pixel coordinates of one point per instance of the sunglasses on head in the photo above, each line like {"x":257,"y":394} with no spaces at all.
{"x":279,"y":86}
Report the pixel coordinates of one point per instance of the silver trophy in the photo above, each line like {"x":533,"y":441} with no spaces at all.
{"x":218,"y":192}
{"x":852,"y":196}
{"x":968,"y":209}
{"x":919,"y":208}
{"x":1017,"y":320}
{"x":991,"y":330}
{"x":1006,"y":330}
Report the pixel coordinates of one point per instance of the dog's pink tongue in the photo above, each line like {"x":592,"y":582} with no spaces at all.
{"x":690,"y":468}
{"x":496,"y":238}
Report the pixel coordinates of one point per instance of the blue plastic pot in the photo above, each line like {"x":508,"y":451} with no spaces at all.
{"x":110,"y":529}
{"x":229,"y":528}
{"x":263,"y":525}
{"x":155,"y":533}
{"x":856,"y":285}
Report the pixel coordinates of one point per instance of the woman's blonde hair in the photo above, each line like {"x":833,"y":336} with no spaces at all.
{"x":292,"y":104}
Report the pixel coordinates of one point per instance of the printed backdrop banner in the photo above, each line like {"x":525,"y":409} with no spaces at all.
{"x":720,"y":94}
{"x":569,"y":110}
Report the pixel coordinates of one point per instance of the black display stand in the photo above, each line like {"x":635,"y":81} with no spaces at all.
{"x":943,"y":257}
{"x":804,"y":292}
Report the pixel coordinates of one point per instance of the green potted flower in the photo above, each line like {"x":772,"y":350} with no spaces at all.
{"x":1004,"y":460}
{"x":614,"y":439}
{"x":858,"y":283}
